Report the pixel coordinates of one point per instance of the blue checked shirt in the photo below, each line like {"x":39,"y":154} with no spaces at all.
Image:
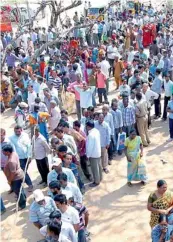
{"x":128,"y":115}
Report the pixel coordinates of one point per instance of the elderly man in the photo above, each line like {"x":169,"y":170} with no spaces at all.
{"x":104,"y":131}
{"x":55,"y":115}
{"x":22,"y":144}
{"x":40,"y":209}
{"x":93,"y":152}
{"x":57,"y":169}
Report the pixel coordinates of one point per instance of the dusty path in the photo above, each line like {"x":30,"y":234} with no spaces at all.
{"x":117,"y":213}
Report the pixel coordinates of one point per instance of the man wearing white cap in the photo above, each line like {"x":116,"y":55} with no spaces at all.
{"x":41,"y":208}
{"x":58,"y":169}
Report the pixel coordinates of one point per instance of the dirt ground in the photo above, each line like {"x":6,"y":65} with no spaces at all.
{"x":117,"y":213}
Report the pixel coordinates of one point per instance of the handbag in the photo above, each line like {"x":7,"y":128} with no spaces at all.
{"x":68,"y":100}
{"x":121,"y":141}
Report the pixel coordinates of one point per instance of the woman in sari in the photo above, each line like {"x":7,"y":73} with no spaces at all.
{"x":160,"y":202}
{"x":162,"y":231}
{"x":136,"y":169}
{"x":127,"y":39}
{"x":6,"y":90}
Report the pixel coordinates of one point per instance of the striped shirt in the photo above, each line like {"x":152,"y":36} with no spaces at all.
{"x":128,"y":115}
{"x":57,"y":82}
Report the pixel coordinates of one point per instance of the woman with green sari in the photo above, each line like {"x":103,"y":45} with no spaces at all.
{"x":160,"y":202}
{"x":136,"y":168}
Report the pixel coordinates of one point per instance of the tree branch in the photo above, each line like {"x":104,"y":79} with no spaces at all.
{"x":74,"y":4}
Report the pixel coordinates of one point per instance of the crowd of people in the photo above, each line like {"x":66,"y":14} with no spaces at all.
{"x":72,"y":150}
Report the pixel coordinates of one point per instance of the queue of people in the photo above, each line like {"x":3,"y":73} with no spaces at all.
{"x":72,"y":152}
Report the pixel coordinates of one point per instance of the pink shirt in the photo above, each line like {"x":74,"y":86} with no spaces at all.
{"x":101,"y":80}
{"x":71,"y":88}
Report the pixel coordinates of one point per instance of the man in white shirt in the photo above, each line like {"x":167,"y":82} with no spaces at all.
{"x":150,"y":96}
{"x":168,"y":87}
{"x":112,"y":51}
{"x":67,"y":229}
{"x":68,"y":186}
{"x":93,"y":152}
{"x":24,"y":39}
{"x":124,"y":89}
{"x":131,"y":55}
{"x":161,"y":62}
{"x":40,"y":151}
{"x":31,"y":95}
{"x":55,"y":115}
{"x":69,"y":214}
{"x":86,"y":95}
{"x":95,"y":34}
{"x":53,"y":90}
{"x":105,"y":67}
{"x":42,"y":86}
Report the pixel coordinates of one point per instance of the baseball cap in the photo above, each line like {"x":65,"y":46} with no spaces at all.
{"x":56,"y":162}
{"x":38,"y":195}
{"x":23,"y":105}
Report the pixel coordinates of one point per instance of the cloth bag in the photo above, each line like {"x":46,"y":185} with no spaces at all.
{"x":121,"y":141}
{"x":68,"y":100}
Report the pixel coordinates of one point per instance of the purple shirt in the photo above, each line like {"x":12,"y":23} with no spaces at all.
{"x":11,"y":58}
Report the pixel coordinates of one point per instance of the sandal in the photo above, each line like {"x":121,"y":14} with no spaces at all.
{"x":106,"y":170}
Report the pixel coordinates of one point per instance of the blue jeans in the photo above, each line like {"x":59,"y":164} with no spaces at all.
{"x":15,"y":185}
{"x":27,"y":178}
{"x":102,"y":92}
{"x":81,"y":235}
{"x":2,"y":205}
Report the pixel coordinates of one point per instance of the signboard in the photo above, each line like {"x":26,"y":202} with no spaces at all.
{"x":5,"y":21}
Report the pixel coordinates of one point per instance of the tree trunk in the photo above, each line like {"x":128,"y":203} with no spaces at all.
{"x":55,"y":19}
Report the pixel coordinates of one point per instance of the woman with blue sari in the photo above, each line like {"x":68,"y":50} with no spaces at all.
{"x":162,"y":231}
{"x":40,"y":119}
{"x":136,"y":168}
